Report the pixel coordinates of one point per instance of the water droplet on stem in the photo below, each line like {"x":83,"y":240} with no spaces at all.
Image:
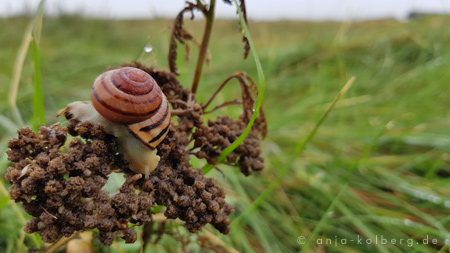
{"x":148,"y":49}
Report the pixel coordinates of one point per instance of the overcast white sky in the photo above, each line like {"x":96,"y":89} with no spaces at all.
{"x":257,"y":9}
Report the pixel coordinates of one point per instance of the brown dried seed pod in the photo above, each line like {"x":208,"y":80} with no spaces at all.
{"x":211,"y":139}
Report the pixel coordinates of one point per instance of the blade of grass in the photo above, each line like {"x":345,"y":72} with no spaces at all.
{"x":4,"y":192}
{"x":18,"y":65}
{"x":298,"y":150}
{"x":257,"y":222}
{"x":259,"y":98}
{"x":38,"y":117}
{"x":322,"y":220}
{"x":405,"y":187}
{"x":361,"y":225}
{"x":218,"y":241}
{"x":17,"y":72}
{"x":369,"y":147}
{"x":9,"y":127}
{"x":241,"y":239}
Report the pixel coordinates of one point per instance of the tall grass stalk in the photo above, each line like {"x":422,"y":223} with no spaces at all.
{"x":38,"y":117}
{"x":17,"y":72}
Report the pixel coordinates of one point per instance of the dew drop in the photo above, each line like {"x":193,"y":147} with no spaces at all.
{"x":407,"y":222}
{"x":148,"y":49}
{"x":447,"y":204}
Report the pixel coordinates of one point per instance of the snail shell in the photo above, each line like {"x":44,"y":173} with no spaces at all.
{"x":132,"y":97}
{"x":128,"y":104}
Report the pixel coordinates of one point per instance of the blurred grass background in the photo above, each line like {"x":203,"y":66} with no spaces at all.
{"x":378,"y":166}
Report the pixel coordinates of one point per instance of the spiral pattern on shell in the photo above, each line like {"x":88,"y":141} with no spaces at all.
{"x":132,"y":97}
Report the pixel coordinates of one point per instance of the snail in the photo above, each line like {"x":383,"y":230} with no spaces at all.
{"x":128,"y":103}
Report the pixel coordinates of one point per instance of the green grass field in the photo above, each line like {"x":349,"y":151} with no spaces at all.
{"x":377,"y":168}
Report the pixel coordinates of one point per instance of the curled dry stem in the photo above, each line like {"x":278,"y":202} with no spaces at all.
{"x":226,"y":103}
{"x":239,"y":76}
{"x":249,"y":93}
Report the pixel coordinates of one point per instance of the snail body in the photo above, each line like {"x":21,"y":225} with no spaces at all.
{"x":129,"y":104}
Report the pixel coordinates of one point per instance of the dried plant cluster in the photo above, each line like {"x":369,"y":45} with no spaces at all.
{"x":61,"y":185}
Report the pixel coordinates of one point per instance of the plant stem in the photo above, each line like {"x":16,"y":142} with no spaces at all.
{"x":209,"y":16}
